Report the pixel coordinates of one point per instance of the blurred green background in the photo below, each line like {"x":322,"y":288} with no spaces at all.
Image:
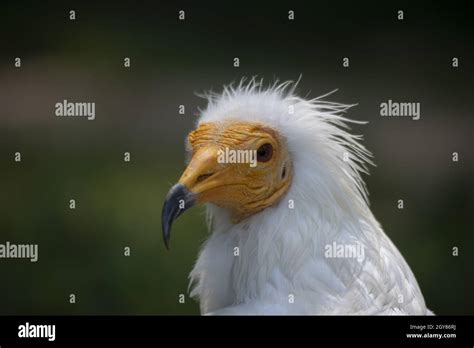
{"x":81,"y":251}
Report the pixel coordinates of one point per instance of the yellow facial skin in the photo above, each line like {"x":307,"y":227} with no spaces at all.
{"x":242,"y":189}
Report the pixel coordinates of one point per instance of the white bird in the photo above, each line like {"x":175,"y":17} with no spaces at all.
{"x":292,"y":234}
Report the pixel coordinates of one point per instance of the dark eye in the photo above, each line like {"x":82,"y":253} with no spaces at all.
{"x":265,"y":153}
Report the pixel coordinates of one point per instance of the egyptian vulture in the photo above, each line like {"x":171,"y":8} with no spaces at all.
{"x":293,"y":233}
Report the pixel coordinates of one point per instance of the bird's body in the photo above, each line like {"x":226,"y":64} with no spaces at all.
{"x":281,"y":268}
{"x":317,"y":248}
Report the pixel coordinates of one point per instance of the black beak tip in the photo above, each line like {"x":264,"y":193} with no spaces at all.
{"x":166,"y":222}
{"x":166,"y":237}
{"x":178,"y":199}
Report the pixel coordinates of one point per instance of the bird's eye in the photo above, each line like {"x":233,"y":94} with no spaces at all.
{"x":265,"y":153}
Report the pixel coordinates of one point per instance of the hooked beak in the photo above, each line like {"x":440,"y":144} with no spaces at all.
{"x":186,"y":193}
{"x":178,"y":200}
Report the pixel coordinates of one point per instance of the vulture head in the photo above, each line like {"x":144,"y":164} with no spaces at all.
{"x":244,"y":146}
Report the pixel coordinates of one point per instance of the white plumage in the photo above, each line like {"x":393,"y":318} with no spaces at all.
{"x":282,"y":267}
